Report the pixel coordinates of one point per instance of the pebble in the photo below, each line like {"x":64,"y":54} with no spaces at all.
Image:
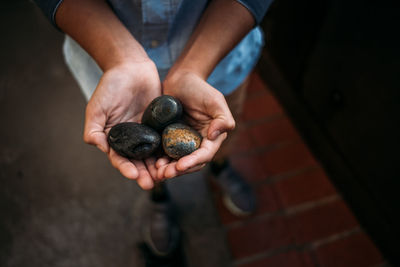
{"x":133,"y":140}
{"x":180,"y":140}
{"x":162,"y":111}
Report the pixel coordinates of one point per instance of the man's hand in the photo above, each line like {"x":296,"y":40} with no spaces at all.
{"x":122,"y":95}
{"x":221,"y":27}
{"x":206,"y":111}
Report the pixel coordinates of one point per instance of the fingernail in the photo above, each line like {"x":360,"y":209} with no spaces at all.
{"x":215,"y":134}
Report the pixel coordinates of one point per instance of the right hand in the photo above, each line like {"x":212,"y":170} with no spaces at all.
{"x":122,"y":95}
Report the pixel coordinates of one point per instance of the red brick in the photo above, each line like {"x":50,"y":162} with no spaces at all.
{"x":243,"y":143}
{"x":321,"y":222}
{"x":287,"y":259}
{"x":256,"y":84}
{"x":266,"y":203}
{"x":273,"y":132}
{"x":308,"y":186}
{"x":259,"y":236}
{"x":260,"y":107}
{"x":249,"y":166}
{"x":291,"y":157}
{"x":355,"y":250}
{"x":266,"y":199}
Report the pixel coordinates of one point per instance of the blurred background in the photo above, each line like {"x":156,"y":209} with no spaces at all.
{"x":319,"y":144}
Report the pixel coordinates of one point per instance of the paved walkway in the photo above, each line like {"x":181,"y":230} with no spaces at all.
{"x":301,"y":219}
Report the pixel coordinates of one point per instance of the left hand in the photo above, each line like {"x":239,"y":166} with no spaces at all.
{"x":206,"y":111}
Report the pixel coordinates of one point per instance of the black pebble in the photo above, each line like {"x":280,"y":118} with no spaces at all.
{"x":162,"y":111}
{"x":133,"y":140}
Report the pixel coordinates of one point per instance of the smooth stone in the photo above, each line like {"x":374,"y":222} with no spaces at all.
{"x":162,"y":111}
{"x":180,"y":140}
{"x":133,"y":140}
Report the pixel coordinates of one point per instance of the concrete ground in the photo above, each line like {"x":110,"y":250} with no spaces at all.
{"x":61,"y":202}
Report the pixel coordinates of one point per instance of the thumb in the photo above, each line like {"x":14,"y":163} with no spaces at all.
{"x":220,"y":125}
{"x":94,"y":131}
{"x":222,"y":117}
{"x":99,"y":139}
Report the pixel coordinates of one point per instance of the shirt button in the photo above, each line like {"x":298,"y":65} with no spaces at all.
{"x":154,"y":43}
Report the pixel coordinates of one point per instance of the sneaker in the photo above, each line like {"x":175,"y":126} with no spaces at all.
{"x":238,"y":196}
{"x":161,"y":232}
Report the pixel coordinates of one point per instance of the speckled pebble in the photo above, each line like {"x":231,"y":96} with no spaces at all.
{"x":133,"y":140}
{"x":180,"y":140}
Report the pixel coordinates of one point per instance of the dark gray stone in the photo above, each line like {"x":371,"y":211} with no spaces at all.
{"x":133,"y":140}
{"x":162,"y":111}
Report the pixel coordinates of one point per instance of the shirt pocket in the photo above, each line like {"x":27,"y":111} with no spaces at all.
{"x":158,"y":11}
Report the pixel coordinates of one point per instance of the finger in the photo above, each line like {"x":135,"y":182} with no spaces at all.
{"x":222,"y":117}
{"x":144,"y":180}
{"x":195,"y":168}
{"x":162,"y":161}
{"x":220,"y":125}
{"x":124,"y":165}
{"x":202,"y":155}
{"x":161,"y":171}
{"x":99,"y":139}
{"x":151,"y":167}
{"x":171,"y":170}
{"x":170,"y":173}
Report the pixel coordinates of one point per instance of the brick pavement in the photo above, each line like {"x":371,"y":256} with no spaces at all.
{"x":301,"y":219}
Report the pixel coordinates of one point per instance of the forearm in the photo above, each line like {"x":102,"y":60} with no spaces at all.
{"x":96,"y":28}
{"x":222,"y":26}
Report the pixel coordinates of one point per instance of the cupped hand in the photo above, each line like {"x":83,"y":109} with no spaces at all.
{"x":122,"y":95}
{"x":206,"y":111}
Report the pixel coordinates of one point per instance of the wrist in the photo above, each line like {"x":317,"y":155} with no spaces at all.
{"x":189,"y":66}
{"x":132,"y":66}
{"x":120,"y":59}
{"x":133,"y":76}
{"x":183,"y":81}
{"x":178,"y":76}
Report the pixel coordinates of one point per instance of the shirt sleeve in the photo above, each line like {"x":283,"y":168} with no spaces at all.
{"x":256,"y":7}
{"x":49,"y":8}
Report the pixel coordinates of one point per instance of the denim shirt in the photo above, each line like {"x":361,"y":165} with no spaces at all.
{"x":163,"y":28}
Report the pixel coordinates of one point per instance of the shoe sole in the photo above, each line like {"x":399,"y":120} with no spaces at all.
{"x":233,"y":208}
{"x":149,"y":242}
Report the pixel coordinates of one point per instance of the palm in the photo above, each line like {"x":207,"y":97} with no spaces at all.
{"x":198,"y":120}
{"x":199,"y":99}
{"x":123,"y":96}
{"x":206,"y":111}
